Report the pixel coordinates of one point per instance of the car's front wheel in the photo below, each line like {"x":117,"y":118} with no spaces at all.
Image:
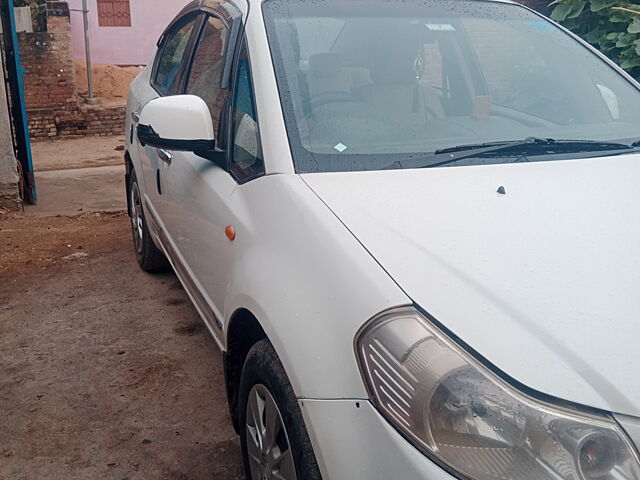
{"x":275,"y":442}
{"x":149,"y":256}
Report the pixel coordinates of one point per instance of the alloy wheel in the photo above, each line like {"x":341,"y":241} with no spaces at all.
{"x":136,"y":217}
{"x":268,"y":445}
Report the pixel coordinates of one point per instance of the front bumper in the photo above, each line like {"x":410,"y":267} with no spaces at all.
{"x":353,"y":441}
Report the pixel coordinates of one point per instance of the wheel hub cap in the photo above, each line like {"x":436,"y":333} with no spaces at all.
{"x":136,"y":217}
{"x":268,"y":446}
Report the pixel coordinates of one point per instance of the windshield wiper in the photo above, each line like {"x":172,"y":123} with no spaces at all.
{"x":528,"y":145}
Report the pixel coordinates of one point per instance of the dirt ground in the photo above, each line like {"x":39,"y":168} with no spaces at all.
{"x":105,"y":372}
{"x":110,"y":82}
{"x":79,"y":175}
{"x":74,"y":153}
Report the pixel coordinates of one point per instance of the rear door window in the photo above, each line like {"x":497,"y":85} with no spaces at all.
{"x":172,"y":57}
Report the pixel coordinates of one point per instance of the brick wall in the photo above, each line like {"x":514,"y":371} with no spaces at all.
{"x":87,"y":120}
{"x":50,"y":76}
{"x":54,"y":107}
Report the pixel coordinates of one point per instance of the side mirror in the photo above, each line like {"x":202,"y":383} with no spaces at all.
{"x":179,"y":123}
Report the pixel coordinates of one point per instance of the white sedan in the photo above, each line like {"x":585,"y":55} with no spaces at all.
{"x":412,"y":228}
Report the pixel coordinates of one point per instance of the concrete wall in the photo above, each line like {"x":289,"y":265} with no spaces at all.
{"x":9,"y":195}
{"x":133,"y":45}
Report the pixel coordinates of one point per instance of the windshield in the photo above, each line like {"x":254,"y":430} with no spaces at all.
{"x":375,"y":84}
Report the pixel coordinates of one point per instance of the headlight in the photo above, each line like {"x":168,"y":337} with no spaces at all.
{"x":471,"y":421}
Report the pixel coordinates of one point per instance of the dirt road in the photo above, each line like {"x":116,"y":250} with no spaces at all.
{"x":105,"y":372}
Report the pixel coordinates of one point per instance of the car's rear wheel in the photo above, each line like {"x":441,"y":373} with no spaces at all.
{"x":149,"y":256}
{"x":275,"y":442}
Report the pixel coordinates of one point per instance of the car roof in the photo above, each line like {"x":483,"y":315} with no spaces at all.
{"x":210,"y":5}
{"x":490,"y":1}
{"x":214,"y":4}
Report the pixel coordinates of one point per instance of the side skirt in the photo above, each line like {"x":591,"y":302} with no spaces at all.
{"x":214,"y":325}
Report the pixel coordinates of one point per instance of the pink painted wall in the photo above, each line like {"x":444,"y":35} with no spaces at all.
{"x":133,"y":45}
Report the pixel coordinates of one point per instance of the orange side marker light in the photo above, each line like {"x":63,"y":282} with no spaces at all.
{"x":230,"y":232}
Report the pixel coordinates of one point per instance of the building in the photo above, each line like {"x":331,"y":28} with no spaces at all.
{"x":122,"y":32}
{"x":54,"y":105}
{"x":16,"y":168}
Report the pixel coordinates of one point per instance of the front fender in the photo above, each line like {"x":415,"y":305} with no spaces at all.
{"x":308,"y":281}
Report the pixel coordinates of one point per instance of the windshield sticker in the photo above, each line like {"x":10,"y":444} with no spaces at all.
{"x":541,"y":26}
{"x":341,"y":147}
{"x":440,"y":27}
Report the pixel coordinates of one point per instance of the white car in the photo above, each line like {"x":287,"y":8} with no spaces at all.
{"x":412,"y":227}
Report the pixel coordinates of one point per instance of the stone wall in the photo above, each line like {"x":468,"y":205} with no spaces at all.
{"x":54,"y":106}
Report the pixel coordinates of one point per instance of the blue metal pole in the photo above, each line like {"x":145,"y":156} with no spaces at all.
{"x":19,"y":111}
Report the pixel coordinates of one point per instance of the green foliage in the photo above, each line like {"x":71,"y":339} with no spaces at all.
{"x":612,"y":26}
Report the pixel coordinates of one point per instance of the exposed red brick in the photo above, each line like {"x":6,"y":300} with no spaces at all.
{"x":54,"y":107}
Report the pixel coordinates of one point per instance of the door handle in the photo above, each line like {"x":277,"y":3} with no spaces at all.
{"x":135,"y":116}
{"x":165,"y":156}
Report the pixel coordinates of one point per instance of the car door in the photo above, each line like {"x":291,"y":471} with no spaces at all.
{"x":199,"y":191}
{"x":167,"y":78}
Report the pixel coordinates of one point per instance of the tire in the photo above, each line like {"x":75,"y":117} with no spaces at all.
{"x":149,"y":256}
{"x":263,"y":376}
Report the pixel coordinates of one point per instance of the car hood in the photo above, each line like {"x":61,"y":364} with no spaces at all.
{"x":543,"y":280}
